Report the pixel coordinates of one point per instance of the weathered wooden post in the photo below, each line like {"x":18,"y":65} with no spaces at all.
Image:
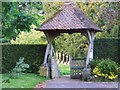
{"x":46,"y":55}
{"x":51,"y":63}
{"x":49,"y":54}
{"x":91,"y":36}
{"x":87,"y":70}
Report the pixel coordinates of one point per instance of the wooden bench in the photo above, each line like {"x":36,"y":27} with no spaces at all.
{"x":76,"y":67}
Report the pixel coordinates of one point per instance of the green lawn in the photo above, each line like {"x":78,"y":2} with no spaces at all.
{"x":64,"y":69}
{"x":27,"y":80}
{"x":0,"y":81}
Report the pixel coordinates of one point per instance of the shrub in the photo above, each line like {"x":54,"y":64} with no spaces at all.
{"x":19,"y":68}
{"x":119,"y":73}
{"x":94,"y":63}
{"x":107,"y":69}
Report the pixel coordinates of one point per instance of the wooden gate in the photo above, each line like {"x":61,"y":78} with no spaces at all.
{"x":76,"y":68}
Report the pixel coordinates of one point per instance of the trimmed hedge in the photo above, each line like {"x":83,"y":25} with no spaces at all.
{"x":33,"y":55}
{"x":107,"y":48}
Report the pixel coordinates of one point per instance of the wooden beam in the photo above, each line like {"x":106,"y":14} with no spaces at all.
{"x":46,"y":55}
{"x":49,"y":53}
{"x":91,"y":36}
{"x":88,"y":55}
{"x":92,"y":45}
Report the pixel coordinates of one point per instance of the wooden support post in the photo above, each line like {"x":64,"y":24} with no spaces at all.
{"x":87,"y":59}
{"x":91,"y":36}
{"x":92,"y":45}
{"x":49,"y":52}
{"x":46,"y":55}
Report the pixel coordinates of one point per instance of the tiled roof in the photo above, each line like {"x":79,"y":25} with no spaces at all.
{"x":71,"y":18}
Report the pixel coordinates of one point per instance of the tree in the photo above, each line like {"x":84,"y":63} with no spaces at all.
{"x":19,"y":16}
{"x":75,"y":44}
{"x":105,"y":15}
{"x":50,"y":8}
{"x":32,"y":37}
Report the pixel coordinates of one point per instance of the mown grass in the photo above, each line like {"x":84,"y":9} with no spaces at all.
{"x":0,"y":81}
{"x":64,"y":69}
{"x":26,"y":80}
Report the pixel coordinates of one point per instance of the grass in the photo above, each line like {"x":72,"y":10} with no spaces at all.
{"x":26,"y":80}
{"x":64,"y":69}
{"x":0,"y":82}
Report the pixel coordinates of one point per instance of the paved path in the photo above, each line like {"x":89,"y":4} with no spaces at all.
{"x":66,"y":82}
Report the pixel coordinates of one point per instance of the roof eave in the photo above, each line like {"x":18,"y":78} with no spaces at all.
{"x":65,"y":30}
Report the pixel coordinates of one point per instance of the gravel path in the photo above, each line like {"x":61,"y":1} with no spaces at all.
{"x":66,"y":82}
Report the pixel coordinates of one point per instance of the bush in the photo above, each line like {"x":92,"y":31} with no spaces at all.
{"x":19,"y":68}
{"x":94,"y":63}
{"x":33,"y":54}
{"x":106,"y":69}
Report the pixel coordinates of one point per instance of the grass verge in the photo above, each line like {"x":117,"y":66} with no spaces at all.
{"x":64,"y":69}
{"x":26,"y":80}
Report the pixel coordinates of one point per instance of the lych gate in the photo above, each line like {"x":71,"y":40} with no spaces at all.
{"x":69,"y":19}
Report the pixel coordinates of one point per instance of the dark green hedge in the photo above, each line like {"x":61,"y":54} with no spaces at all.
{"x":107,"y":48}
{"x":33,"y":55}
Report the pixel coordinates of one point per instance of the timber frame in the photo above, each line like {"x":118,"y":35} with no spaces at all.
{"x":69,"y":20}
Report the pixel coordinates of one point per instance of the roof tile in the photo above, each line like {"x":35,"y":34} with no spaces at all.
{"x":69,"y":18}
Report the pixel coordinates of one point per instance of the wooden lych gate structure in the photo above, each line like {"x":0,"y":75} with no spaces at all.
{"x":69,"y":19}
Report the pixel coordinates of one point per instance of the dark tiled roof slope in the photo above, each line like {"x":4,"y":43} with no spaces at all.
{"x":70,"y":17}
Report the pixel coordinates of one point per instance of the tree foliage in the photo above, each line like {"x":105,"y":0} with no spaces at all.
{"x":33,"y":37}
{"x":19,"y":16}
{"x":105,"y":15}
{"x":75,"y":44}
{"x":50,"y":8}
